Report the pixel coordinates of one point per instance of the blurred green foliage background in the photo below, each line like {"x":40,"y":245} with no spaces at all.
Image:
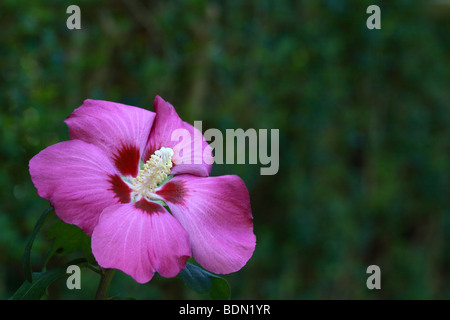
{"x":364,"y":120}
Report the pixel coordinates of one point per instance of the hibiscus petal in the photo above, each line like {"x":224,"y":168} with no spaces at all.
{"x":192,"y":154}
{"x":120,"y":130}
{"x":216,"y":213}
{"x":140,"y":238}
{"x":79,"y":180}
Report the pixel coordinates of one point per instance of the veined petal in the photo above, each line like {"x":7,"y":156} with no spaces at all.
{"x":120,"y":130}
{"x":192,"y":153}
{"x":79,"y":180}
{"x":216,"y":213}
{"x":140,"y":238}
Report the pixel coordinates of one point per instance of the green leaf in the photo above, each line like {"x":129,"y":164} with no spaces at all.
{"x":41,"y":280}
{"x":220,"y":289}
{"x":68,"y":238}
{"x":203,"y":281}
{"x":26,"y":260}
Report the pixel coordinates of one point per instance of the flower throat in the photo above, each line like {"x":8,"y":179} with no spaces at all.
{"x":152,"y":174}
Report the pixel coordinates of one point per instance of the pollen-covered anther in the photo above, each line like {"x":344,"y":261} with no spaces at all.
{"x":154,"y":171}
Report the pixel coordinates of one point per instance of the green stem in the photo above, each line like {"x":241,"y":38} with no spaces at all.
{"x":105,"y":280}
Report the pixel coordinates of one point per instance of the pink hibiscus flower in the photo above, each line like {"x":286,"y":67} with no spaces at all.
{"x":121,"y":168}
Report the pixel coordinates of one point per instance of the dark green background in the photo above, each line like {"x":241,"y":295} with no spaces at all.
{"x":363,"y":117}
